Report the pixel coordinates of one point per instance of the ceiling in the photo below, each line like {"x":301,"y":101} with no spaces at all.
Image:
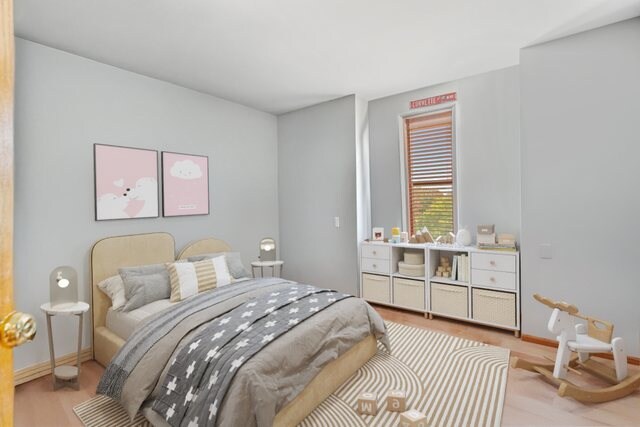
{"x":281,"y":55}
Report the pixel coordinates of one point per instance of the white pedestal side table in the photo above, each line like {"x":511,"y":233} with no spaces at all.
{"x":65,"y":375}
{"x":263,"y":264}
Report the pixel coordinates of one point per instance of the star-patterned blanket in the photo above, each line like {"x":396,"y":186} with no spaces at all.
{"x":202,"y":371}
{"x":155,"y":328}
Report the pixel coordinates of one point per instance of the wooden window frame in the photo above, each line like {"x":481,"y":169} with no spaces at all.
{"x":404,"y":158}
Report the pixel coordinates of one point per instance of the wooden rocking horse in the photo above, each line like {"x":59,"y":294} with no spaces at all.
{"x":595,"y":337}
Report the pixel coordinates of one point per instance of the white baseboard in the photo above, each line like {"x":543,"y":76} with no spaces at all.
{"x":38,"y":370}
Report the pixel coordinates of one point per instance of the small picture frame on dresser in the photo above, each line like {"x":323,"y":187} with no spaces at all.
{"x":377,"y":234}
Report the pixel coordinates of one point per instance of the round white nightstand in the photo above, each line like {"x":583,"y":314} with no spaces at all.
{"x":263,"y":264}
{"x":66,"y":374}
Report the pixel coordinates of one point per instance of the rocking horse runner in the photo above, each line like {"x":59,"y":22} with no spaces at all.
{"x":595,"y":337}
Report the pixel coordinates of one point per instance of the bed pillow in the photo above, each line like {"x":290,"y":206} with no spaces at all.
{"x":145,"y":284}
{"x":234,"y":263}
{"x":113,"y":287}
{"x":191,"y":278}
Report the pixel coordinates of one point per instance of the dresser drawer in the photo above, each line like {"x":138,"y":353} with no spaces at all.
{"x":408,"y":293}
{"x":449,"y":299}
{"x":376,"y":288}
{"x":494,"y":262}
{"x":375,"y":265}
{"x":494,"y":279}
{"x":494,"y":307}
{"x":376,"y":251}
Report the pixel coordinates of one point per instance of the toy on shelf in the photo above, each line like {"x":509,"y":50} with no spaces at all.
{"x":422,"y":236}
{"x":444,"y":269}
{"x":395,"y":235}
{"x":595,"y":337}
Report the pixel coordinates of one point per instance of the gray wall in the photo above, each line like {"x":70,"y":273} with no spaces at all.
{"x":488,"y":151}
{"x":64,"y":104}
{"x":580,"y":175}
{"x":317,"y":182}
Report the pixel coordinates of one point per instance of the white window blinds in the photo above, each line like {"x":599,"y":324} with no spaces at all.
{"x":429,"y":167}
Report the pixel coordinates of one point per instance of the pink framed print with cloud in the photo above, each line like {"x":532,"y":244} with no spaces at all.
{"x":126,"y":182}
{"x":185,"y":184}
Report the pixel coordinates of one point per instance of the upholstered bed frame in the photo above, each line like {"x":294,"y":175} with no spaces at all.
{"x":109,"y":254}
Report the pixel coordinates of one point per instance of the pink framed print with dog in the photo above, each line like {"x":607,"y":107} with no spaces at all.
{"x":185,"y":184}
{"x":126,"y":182}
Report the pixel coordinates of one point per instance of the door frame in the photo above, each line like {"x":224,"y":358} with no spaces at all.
{"x":7,"y":58}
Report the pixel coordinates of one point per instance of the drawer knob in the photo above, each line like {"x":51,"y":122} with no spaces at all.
{"x":492,"y":262}
{"x":375,"y":266}
{"x":492,"y":279}
{"x":375,"y":253}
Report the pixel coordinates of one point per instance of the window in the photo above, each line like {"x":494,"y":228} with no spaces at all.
{"x":428,"y":140}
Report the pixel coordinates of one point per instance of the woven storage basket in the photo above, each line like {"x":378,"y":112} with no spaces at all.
{"x":494,"y":307}
{"x":413,"y":257}
{"x":408,"y":293}
{"x":375,"y":288}
{"x":449,"y":299}
{"x":411,"y":269}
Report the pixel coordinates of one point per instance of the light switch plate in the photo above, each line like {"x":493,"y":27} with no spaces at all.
{"x":546,"y":251}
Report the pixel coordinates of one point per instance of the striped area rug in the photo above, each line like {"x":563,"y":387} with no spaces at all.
{"x":102,"y":411}
{"x":453,"y":381}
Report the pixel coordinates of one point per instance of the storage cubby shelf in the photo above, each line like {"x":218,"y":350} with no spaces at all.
{"x":494,"y":271}
{"x":404,"y":276}
{"x":447,"y":281}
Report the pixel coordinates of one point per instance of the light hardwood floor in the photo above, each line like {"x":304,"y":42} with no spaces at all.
{"x":529,"y":400}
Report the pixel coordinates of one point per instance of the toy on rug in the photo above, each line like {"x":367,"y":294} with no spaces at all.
{"x":595,"y":337}
{"x":396,"y":401}
{"x":367,"y":403}
{"x":413,"y":418}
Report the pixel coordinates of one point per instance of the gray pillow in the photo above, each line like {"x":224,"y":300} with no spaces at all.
{"x":234,"y":263}
{"x":145,"y":284}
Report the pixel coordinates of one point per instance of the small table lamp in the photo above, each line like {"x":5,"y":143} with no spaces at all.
{"x":63,"y":285}
{"x":267,"y":249}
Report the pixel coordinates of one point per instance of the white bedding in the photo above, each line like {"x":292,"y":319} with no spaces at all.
{"x":123,"y":323}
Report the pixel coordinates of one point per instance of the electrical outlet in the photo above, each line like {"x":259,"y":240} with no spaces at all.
{"x":336,"y":221}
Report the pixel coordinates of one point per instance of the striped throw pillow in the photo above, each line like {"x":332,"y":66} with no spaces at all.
{"x":191,"y":278}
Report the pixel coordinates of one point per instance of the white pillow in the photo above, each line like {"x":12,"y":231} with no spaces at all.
{"x":113,"y":287}
{"x":223,"y":276}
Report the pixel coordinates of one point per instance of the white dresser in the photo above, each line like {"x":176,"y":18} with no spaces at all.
{"x":490,"y":296}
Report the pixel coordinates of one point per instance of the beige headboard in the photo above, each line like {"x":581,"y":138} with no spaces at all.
{"x":204,"y":246}
{"x":109,"y":254}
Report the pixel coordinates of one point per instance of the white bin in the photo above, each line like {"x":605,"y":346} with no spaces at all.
{"x":449,"y":299}
{"x":376,"y":288}
{"x":408,"y":293}
{"x":494,"y":307}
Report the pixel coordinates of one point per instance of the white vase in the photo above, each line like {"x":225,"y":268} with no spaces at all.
{"x":463,"y":237}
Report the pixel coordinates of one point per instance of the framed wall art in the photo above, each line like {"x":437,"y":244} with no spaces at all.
{"x":126,"y":182}
{"x":185,"y":184}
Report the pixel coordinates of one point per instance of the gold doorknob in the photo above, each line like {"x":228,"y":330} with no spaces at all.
{"x":17,"y":328}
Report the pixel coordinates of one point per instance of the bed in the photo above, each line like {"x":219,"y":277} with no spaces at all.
{"x":322,"y":374}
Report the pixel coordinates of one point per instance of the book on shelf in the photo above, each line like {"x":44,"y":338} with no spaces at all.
{"x":454,"y":268}
{"x":464,"y":265}
{"x":508,"y":247}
